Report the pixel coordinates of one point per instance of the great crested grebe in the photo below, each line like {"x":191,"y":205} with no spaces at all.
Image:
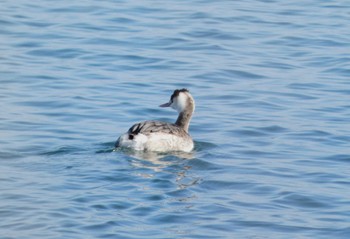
{"x":161,"y":136}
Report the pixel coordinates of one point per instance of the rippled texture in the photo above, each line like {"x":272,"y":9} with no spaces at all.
{"x":271,"y":82}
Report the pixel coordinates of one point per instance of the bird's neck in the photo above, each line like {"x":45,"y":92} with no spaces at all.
{"x":184,"y":118}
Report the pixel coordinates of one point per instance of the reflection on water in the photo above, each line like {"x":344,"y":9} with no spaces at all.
{"x":155,"y":160}
{"x":174,"y":163}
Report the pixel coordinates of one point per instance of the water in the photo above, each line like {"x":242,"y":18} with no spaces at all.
{"x":271,"y":127}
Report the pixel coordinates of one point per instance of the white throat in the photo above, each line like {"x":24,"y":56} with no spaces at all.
{"x":180,"y":103}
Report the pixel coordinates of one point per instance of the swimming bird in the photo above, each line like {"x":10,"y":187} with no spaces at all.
{"x":161,"y":136}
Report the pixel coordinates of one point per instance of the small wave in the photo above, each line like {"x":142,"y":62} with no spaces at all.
{"x":62,"y":150}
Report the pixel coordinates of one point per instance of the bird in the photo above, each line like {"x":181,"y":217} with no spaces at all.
{"x":159,"y":136}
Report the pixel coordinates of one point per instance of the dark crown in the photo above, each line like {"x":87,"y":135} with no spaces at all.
{"x":177,"y":92}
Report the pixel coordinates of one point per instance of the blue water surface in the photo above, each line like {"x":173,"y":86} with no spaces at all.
{"x":271,"y":127}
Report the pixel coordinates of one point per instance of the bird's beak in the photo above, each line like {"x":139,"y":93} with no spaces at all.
{"x":166,"y":105}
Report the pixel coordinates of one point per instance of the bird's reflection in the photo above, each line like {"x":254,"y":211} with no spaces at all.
{"x":155,"y":160}
{"x":177,"y":167}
